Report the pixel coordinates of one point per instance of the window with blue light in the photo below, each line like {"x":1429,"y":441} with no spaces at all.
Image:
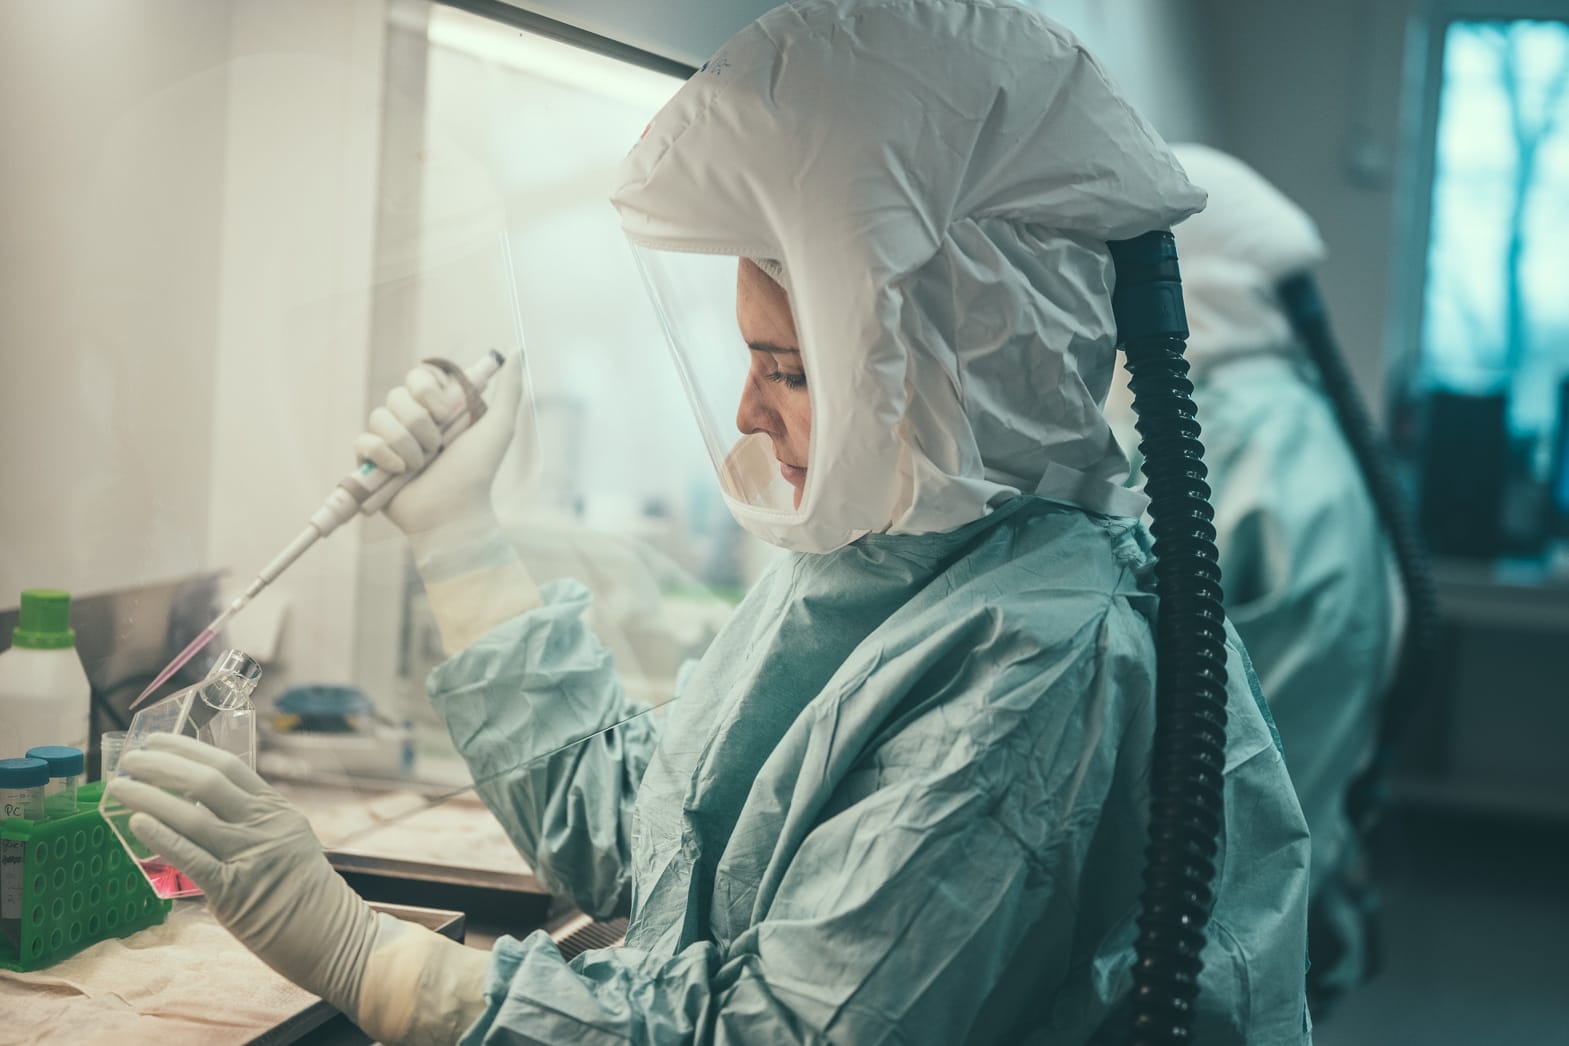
{"x":1494,"y":360}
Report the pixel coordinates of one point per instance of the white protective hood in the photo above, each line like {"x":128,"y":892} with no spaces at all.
{"x":938,"y":179}
{"x":1234,"y":255}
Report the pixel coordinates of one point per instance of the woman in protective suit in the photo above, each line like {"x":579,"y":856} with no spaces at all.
{"x":902,"y":797}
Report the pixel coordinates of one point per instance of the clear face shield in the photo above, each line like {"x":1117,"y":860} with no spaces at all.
{"x":736,"y":348}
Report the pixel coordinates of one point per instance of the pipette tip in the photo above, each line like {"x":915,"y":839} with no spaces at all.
{"x":179,"y":662}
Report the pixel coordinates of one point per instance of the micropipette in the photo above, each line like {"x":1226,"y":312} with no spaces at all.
{"x":365,"y":490}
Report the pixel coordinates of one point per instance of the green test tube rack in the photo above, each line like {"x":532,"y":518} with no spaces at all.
{"x":78,"y":886}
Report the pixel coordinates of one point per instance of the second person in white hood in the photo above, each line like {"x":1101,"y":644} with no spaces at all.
{"x":1310,"y":578}
{"x":903,"y":796}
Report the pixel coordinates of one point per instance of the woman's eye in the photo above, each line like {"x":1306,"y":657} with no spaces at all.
{"x":789,"y":381}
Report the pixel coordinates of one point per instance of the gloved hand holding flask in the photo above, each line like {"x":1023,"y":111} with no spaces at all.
{"x":268,"y":882}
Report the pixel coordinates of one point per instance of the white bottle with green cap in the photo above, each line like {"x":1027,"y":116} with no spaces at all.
{"x":44,"y":693}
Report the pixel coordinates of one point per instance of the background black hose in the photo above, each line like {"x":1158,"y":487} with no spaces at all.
{"x":1305,"y":308}
{"x":1187,"y":776}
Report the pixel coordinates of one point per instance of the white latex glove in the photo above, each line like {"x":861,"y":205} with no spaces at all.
{"x":403,"y":435}
{"x":472,"y":575}
{"x":266,"y":879}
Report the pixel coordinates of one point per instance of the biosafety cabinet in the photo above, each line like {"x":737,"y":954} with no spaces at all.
{"x":246,"y":222}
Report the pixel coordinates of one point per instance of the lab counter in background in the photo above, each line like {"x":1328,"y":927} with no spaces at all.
{"x":1504,"y":594}
{"x":1490,"y":739}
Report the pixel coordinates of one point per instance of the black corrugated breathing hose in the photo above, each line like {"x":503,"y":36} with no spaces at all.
{"x":1187,"y":799}
{"x":1304,"y":307}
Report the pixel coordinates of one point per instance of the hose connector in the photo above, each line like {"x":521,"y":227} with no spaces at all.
{"x":1147,"y":301}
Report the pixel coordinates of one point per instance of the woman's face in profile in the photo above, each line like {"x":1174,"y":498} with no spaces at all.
{"x":774,"y":399}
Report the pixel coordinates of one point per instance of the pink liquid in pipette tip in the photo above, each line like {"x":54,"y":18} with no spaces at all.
{"x":178,"y":663}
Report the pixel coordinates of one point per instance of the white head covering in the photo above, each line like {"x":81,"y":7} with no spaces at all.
{"x":1234,"y":255}
{"x":937,"y":179}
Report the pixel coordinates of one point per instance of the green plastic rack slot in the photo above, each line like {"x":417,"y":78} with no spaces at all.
{"x":78,"y":886}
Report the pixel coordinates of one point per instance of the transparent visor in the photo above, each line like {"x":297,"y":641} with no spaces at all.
{"x":733,"y":336}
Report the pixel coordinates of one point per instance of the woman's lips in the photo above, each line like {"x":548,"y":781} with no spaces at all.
{"x":792,"y":474}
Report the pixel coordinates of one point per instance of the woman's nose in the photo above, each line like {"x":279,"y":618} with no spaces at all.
{"x":754,"y":414}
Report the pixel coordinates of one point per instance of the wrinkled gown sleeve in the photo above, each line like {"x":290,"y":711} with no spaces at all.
{"x":556,"y":750}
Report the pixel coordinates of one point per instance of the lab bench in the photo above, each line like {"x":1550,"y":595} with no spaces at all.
{"x":444,"y":862}
{"x":184,"y":981}
{"x":447,"y":865}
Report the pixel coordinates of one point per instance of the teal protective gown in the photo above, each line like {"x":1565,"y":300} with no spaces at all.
{"x":902,"y":798}
{"x":1307,"y":574}
{"x":1309,"y":585}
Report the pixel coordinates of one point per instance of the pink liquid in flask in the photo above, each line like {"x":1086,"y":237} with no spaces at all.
{"x":217,"y":711}
{"x":168,"y":881}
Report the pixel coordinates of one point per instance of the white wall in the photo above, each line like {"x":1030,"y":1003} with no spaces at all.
{"x":305,"y":113}
{"x":187,"y":215}
{"x":110,"y":207}
{"x":1156,"y":51}
{"x":1309,"y":94}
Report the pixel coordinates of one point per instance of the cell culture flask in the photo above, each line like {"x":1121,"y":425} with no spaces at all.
{"x":218,"y":711}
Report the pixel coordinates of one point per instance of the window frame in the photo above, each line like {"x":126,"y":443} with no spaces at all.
{"x":551,"y":29}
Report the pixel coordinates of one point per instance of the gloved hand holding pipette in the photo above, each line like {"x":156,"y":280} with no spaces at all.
{"x":405,"y":434}
{"x":252,"y":852}
{"x":479,"y":580}
{"x":473,"y":577}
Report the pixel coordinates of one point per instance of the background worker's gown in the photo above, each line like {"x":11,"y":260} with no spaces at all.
{"x":901,"y":798}
{"x":1311,"y":588}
